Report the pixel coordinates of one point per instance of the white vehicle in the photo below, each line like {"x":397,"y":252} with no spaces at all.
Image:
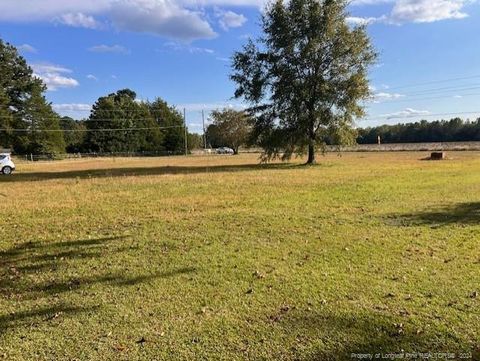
{"x":225,"y":150}
{"x":6,"y":164}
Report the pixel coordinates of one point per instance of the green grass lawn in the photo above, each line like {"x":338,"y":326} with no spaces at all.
{"x":219,"y":258}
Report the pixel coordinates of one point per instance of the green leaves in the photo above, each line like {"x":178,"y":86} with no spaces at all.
{"x":306,"y":77}
{"x":149,"y":127}
{"x":230,"y":128}
{"x":24,"y":111}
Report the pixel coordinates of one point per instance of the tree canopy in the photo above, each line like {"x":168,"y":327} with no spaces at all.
{"x":306,"y":78}
{"x":118,"y":123}
{"x":28,"y":120}
{"x":229,"y":128}
{"x":171,"y":122}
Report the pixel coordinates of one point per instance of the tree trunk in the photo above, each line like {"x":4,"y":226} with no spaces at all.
{"x":311,"y":153}
{"x":312,"y":141}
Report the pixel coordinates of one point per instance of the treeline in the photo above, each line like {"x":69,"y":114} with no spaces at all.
{"x":454,"y":130}
{"x":118,"y":122}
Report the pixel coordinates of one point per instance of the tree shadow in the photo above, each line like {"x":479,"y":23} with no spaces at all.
{"x":18,"y":319}
{"x":143,"y":171}
{"x":23,"y":268}
{"x":343,"y":336}
{"x":461,"y":214}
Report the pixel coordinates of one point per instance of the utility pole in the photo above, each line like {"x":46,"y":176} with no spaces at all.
{"x":204,"y":132}
{"x":186,"y":132}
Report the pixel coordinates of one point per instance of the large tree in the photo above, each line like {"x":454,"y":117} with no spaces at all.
{"x":6,"y":120}
{"x":229,"y":128}
{"x":32,"y":124}
{"x":43,"y":127}
{"x":118,"y":123}
{"x":307,"y":77}
{"x":171,"y":122}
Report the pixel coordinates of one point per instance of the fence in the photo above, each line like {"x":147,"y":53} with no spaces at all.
{"x":51,"y":157}
{"x":399,"y":147}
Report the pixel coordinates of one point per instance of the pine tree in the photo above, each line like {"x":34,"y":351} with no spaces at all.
{"x":44,"y":133}
{"x":36,"y":124}
{"x":6,"y":121}
{"x":171,"y":123}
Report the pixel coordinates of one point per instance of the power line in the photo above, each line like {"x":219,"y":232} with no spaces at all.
{"x":88,"y":130}
{"x":407,"y":99}
{"x":445,"y":89}
{"x":434,"y":82}
{"x":87,"y":120}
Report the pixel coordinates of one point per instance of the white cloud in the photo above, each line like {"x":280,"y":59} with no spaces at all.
{"x":54,"y":76}
{"x":79,"y":20}
{"x":427,"y":11}
{"x":417,"y":11}
{"x":384,"y":96}
{"x":407,"y":113}
{"x":109,"y":49}
{"x":458,"y":96}
{"x":72,"y":107}
{"x":175,"y":46}
{"x":161,"y":17}
{"x":371,"y":2}
{"x":182,"y":21}
{"x":353,"y":20}
{"x":92,"y":77}
{"x":167,"y":18}
{"x":48,"y":10}
{"x":196,"y":107}
{"x":26,"y":48}
{"x":229,"y":19}
{"x":74,"y":110}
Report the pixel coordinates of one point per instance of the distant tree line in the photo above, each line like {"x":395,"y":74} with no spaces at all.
{"x":454,"y":130}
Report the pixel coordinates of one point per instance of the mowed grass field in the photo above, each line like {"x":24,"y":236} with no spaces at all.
{"x":220,"y":258}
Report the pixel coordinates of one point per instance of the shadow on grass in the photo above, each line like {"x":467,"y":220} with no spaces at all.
{"x":39,"y":270}
{"x":461,"y":214}
{"x":343,"y":335}
{"x":24,"y":318}
{"x":142,"y":171}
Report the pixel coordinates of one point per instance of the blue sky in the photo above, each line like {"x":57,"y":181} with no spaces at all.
{"x":429,"y":64}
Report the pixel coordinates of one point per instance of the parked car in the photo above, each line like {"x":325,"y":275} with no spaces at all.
{"x":6,"y":164}
{"x":225,"y":150}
